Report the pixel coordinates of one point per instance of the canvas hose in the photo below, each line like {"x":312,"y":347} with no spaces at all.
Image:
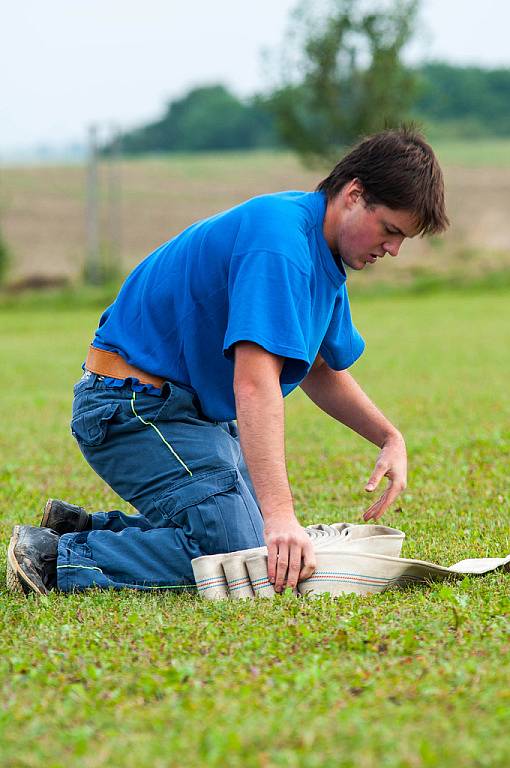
{"x":363,"y":559}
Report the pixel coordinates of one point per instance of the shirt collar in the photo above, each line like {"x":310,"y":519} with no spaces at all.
{"x":334,"y":268}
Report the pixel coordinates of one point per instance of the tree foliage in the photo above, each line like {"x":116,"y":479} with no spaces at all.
{"x":335,"y":100}
{"x":342,"y":73}
{"x":470,"y":101}
{"x":206,"y":118}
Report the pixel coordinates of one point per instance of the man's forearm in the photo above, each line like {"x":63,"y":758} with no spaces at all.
{"x":339,"y":395}
{"x":260,"y":418}
{"x":336,"y":393}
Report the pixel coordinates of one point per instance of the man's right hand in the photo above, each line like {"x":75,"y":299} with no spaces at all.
{"x":260,"y":418}
{"x":290,"y":552}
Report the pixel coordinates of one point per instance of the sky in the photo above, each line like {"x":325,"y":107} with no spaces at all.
{"x":65,"y":64}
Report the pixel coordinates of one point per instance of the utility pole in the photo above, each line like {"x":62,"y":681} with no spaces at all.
{"x":114,"y":204}
{"x":92,"y":272}
{"x":4,"y":252}
{"x":103,"y":242}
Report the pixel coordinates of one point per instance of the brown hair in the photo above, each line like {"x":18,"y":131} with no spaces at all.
{"x":398,"y":169}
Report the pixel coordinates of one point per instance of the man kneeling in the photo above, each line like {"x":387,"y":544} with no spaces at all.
{"x":220,"y":324}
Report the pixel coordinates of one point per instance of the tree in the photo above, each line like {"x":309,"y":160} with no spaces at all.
{"x":342,"y":73}
{"x":206,"y":118}
{"x":471,"y":101}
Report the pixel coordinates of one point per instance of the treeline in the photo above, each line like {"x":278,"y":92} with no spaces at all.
{"x":467,"y":102}
{"x":206,"y":118}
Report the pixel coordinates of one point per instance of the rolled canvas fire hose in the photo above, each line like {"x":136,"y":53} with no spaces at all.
{"x":363,"y":559}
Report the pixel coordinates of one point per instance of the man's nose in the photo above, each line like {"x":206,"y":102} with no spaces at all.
{"x":393,"y":246}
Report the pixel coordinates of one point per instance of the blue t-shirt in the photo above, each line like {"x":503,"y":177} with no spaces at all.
{"x":259,"y":272}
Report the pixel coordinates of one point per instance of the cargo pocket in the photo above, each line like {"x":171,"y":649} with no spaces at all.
{"x":207,"y":507}
{"x":91,"y":426}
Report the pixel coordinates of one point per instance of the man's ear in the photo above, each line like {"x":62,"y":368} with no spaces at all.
{"x":352,"y":192}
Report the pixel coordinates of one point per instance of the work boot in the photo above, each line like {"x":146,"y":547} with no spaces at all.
{"x":65,"y":518}
{"x":32,"y":560}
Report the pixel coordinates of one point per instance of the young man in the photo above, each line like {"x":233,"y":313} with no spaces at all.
{"x":221,"y":323}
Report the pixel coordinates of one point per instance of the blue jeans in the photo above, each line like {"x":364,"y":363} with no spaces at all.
{"x":184,"y":474}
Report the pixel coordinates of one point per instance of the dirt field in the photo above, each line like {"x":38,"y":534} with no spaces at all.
{"x":42,"y":210}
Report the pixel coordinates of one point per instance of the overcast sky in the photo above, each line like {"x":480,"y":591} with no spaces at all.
{"x":67,"y":63}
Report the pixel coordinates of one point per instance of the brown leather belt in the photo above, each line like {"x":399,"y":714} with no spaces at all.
{"x":113,"y":365}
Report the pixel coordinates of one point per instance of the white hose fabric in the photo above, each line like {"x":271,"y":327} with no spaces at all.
{"x":363,"y":559}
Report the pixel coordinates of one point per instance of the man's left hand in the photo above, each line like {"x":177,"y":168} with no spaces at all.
{"x":391,"y":463}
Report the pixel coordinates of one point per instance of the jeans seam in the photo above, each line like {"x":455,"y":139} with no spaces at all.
{"x":160,"y":435}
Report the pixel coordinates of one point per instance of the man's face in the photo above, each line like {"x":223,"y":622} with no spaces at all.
{"x":362,"y":234}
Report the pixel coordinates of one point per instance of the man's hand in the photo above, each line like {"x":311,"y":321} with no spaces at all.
{"x":391,"y":463}
{"x":290,"y":553}
{"x":338,"y":395}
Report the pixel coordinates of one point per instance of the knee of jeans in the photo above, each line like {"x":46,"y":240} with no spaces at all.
{"x":215,"y":509}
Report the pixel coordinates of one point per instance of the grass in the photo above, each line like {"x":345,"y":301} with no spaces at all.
{"x":407,"y":679}
{"x":477,"y":153}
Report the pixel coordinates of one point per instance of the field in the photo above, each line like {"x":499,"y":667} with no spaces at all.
{"x":42,"y":210}
{"x":405,"y":679}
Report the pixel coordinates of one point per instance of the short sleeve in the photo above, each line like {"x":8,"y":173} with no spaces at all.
{"x":342,"y":345}
{"x":269,"y":304}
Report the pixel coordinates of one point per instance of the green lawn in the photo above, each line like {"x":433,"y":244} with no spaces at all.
{"x":467,"y":153}
{"x":411,"y":678}
{"x":476,"y":153}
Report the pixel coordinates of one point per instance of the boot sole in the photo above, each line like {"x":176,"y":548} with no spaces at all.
{"x":16,"y":579}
